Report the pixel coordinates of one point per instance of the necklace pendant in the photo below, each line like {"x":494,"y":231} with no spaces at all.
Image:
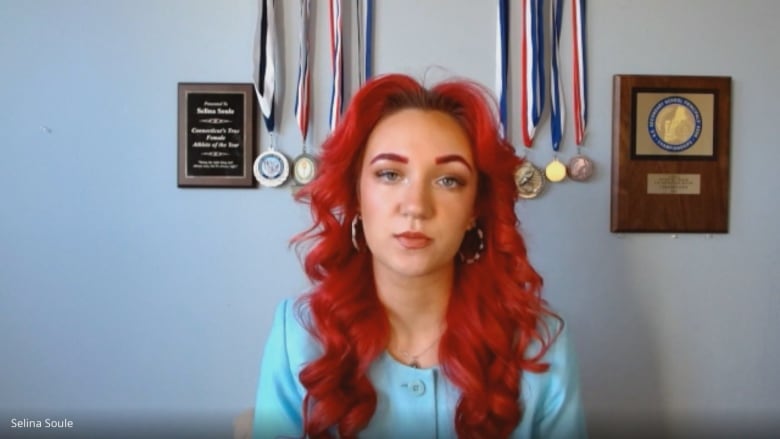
{"x":414,"y":364}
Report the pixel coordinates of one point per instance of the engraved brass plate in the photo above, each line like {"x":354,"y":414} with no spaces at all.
{"x":687,"y":184}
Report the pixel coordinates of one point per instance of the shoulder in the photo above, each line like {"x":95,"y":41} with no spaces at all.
{"x":559,"y":354}
{"x":290,"y":323}
{"x":553,"y":397}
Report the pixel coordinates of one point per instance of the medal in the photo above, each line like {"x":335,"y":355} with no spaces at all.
{"x":305,"y":165}
{"x":271,"y":168}
{"x":529,"y":180}
{"x":555,"y":171}
{"x":304,"y":169}
{"x":580,"y":168}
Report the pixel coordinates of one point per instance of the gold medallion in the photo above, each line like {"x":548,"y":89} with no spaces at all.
{"x":555,"y":171}
{"x":529,"y":180}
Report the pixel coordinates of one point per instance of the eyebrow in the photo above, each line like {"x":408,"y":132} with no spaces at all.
{"x":389,"y":156}
{"x":452,"y":158}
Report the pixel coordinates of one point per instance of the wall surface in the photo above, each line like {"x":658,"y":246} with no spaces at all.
{"x":125,"y":298}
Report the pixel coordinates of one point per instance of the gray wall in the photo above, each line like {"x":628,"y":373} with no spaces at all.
{"x":123,"y":296}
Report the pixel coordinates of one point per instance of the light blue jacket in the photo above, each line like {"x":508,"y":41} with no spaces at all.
{"x":411,"y":403}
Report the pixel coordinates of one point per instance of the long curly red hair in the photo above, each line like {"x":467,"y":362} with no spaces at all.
{"x":495,"y":310}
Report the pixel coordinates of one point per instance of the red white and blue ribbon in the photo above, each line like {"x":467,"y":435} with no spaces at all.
{"x":502,"y":56}
{"x":365,"y":16}
{"x":265,"y":75}
{"x":532,"y":66}
{"x":337,"y":63}
{"x":302,"y":95}
{"x":580,"y":89}
{"x":557,"y":106}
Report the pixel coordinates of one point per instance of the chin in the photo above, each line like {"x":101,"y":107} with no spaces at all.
{"x":414,"y":267}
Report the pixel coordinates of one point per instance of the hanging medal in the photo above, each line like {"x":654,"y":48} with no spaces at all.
{"x":528,"y":178}
{"x":271,"y":168}
{"x":305,"y":165}
{"x":555,"y":170}
{"x":580,"y":167}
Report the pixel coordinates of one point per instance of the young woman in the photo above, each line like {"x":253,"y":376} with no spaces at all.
{"x":425,"y":319}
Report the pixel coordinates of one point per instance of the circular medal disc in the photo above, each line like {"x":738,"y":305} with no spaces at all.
{"x":580,"y":168}
{"x":529,"y":180}
{"x":555,"y":171}
{"x":304,"y":169}
{"x":271,"y":168}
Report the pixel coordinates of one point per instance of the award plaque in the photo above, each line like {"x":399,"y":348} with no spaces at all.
{"x":670,"y":153}
{"x":216,"y":135}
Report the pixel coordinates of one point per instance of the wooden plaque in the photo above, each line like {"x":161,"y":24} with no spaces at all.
{"x":670,"y":153}
{"x":216,"y":130}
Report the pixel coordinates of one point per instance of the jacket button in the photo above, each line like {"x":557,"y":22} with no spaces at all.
{"x":417,"y":387}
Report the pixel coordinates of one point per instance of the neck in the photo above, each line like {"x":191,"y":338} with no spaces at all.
{"x":416,"y":308}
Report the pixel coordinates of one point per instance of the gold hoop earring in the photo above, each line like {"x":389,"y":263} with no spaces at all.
{"x":480,"y":247}
{"x":354,"y":232}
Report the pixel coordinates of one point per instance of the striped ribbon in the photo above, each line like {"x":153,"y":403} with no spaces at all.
{"x":580,"y":89}
{"x":532,"y":68}
{"x":502,"y":55}
{"x":557,"y":106}
{"x":365,"y":16}
{"x":337,"y":63}
{"x":302,"y":95}
{"x":265,"y":78}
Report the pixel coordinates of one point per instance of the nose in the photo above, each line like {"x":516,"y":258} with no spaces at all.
{"x":416,"y":201}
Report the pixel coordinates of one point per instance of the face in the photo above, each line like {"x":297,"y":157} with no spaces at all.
{"x":418,"y":185}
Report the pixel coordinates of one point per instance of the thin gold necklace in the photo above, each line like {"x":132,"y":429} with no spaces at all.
{"x":412,"y":359}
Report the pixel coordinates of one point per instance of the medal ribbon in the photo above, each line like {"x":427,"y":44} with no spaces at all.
{"x":365,"y":13}
{"x":502,"y":55}
{"x":580,"y":89}
{"x":337,"y":63}
{"x":304,"y":75}
{"x":557,"y":106}
{"x":532,"y":68}
{"x":265,"y":80}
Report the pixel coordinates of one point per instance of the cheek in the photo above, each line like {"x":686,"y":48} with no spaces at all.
{"x":462,"y":209}
{"x":374,"y":204}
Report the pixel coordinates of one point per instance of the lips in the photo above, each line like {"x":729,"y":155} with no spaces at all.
{"x":413,"y":240}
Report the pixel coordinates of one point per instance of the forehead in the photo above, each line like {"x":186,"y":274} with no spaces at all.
{"x":419,"y":135}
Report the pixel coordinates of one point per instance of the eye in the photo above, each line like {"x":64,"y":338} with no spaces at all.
{"x":388,"y":175}
{"x":450,"y":182}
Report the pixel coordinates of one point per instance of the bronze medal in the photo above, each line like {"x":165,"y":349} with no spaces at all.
{"x":580,"y":168}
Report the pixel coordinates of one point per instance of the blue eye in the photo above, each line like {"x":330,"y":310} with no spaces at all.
{"x":388,"y":175}
{"x":450,"y":182}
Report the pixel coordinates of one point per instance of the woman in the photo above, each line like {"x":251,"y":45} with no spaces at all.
{"x":425,"y":319}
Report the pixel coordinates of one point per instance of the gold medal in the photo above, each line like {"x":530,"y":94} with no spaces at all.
{"x":529,"y":180}
{"x":555,"y":171}
{"x":580,"y":168}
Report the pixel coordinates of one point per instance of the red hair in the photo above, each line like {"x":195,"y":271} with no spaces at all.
{"x":495,"y":310}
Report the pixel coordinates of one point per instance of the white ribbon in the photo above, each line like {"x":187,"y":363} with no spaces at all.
{"x":265,"y":52}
